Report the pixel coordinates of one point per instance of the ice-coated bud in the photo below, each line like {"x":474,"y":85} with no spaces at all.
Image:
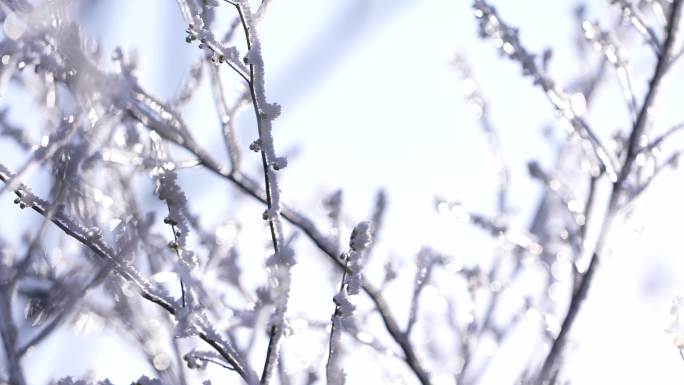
{"x":361,"y":236}
{"x":279,"y":163}
{"x":256,"y":145}
{"x":93,"y":234}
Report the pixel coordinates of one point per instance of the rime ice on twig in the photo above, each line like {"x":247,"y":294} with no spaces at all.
{"x":265,"y":113}
{"x":359,"y":242}
{"x":168,"y":190}
{"x":492,"y":26}
{"x":219,"y":53}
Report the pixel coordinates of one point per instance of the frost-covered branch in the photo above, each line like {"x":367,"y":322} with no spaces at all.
{"x":549,"y":367}
{"x":491,"y":26}
{"x":649,"y":99}
{"x":92,"y":238}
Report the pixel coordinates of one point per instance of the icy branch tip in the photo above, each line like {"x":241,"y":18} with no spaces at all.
{"x":361,"y":237}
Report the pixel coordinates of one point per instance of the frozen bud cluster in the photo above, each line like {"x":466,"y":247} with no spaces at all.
{"x":344,"y":306}
{"x":361,"y":237}
{"x":279,"y":163}
{"x":360,"y":240}
{"x":255,"y":145}
{"x":270,"y":110}
{"x":194,"y":362}
{"x":168,"y":190}
{"x":93,"y":234}
{"x":190,"y":258}
{"x":284,"y":256}
{"x":269,"y":214}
